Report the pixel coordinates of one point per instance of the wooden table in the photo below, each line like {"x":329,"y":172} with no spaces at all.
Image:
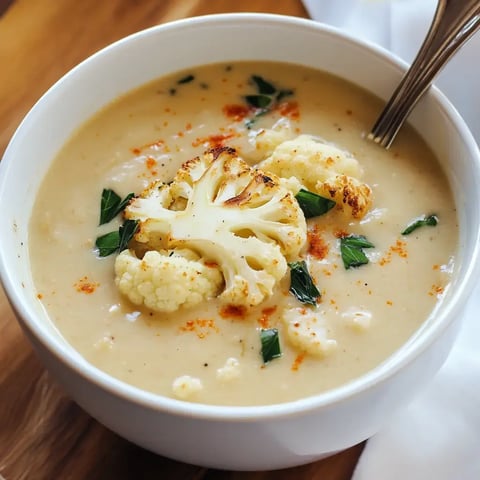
{"x":43,"y":434}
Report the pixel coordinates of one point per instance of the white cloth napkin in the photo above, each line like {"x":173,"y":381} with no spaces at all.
{"x":437,"y":437}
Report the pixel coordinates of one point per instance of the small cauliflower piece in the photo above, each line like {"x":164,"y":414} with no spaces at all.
{"x":166,"y":281}
{"x":310,"y":160}
{"x":185,"y":387}
{"x":323,"y":169}
{"x":353,"y":196}
{"x":105,"y":344}
{"x":357,"y":319}
{"x":306,"y":330}
{"x":230,"y":371}
{"x":266,"y":140}
{"x":231,"y":214}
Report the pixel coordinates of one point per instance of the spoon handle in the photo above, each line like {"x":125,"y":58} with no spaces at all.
{"x":454,"y":22}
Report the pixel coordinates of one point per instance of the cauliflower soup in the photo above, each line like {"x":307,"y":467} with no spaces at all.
{"x":228,"y":235}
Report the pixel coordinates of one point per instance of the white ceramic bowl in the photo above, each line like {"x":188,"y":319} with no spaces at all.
{"x":262,"y":437}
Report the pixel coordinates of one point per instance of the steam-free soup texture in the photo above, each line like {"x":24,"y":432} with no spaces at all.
{"x":212,"y":352}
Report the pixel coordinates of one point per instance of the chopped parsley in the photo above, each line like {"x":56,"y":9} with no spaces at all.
{"x":301,"y":283}
{"x":186,"y":79}
{"x":117,"y":240}
{"x":111,"y":205}
{"x":258,"y":101}
{"x":431,"y":221}
{"x":351,"y":249}
{"x":263,"y":87}
{"x":265,"y":99}
{"x":312,"y":204}
{"x":270,"y":344}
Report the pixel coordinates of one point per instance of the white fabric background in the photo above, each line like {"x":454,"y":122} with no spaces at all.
{"x":437,"y":437}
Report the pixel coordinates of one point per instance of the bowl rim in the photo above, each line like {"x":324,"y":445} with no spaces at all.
{"x":68,"y":356}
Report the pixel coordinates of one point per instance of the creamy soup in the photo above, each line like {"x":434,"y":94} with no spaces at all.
{"x":211,"y":352}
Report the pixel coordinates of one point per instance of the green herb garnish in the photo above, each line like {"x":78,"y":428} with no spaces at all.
{"x":111,"y":205}
{"x":266,"y":98}
{"x":431,"y":221}
{"x":126,"y":233}
{"x":270,"y":344}
{"x":258,"y":101}
{"x":301,"y":283}
{"x":108,"y":243}
{"x":284,"y":93}
{"x":118,"y":240}
{"x":312,"y":204}
{"x":351,"y":248}
{"x":263,"y":86}
{"x":186,"y":79}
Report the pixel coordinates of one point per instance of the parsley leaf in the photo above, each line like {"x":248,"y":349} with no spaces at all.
{"x":111,"y":205}
{"x":263,"y":87}
{"x":117,"y":240}
{"x":108,"y":243}
{"x":431,"y":221}
{"x":270,"y":344}
{"x":284,"y":93}
{"x":266,"y":98}
{"x":301,"y":283}
{"x":126,"y":233}
{"x":351,"y":249}
{"x":312,"y":204}
{"x":258,"y":101}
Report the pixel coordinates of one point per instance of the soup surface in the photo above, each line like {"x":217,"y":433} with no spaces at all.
{"x":212,"y":352}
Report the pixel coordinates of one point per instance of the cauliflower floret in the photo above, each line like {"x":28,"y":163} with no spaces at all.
{"x":323,"y":169}
{"x":266,"y":140}
{"x":230,"y":371}
{"x":186,"y":386}
{"x":352,"y":195}
{"x":357,"y":319}
{"x":229,"y":213}
{"x":307,"y":331}
{"x":166,"y":281}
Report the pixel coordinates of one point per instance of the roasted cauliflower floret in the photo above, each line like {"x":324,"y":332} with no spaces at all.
{"x":353,"y":195}
{"x":306,"y":330}
{"x":266,"y":140}
{"x":323,"y":169}
{"x":166,"y":281}
{"x":230,"y":214}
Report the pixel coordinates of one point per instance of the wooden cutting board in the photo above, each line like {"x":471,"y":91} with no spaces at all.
{"x":44,"y":435}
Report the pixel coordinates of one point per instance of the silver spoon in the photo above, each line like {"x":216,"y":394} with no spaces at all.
{"x":454,"y":22}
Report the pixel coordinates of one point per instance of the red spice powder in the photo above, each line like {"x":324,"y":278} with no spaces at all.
{"x":400,"y":248}
{"x":84,"y":285}
{"x":317,"y":247}
{"x":340,"y":233}
{"x":211,"y":264}
{"x":235,"y":112}
{"x":151,"y":164}
{"x":297,"y":362}
{"x":264,"y":320}
{"x":233,"y":311}
{"x":289,"y":109}
{"x":436,"y":290}
{"x":157,"y":145}
{"x":214,"y":140}
{"x":200,"y":326}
